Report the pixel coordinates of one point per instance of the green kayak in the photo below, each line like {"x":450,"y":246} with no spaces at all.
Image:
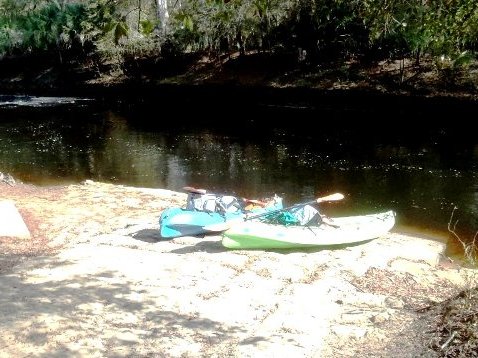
{"x":341,"y":230}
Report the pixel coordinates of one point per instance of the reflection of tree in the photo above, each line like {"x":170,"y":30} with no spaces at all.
{"x":420,"y":180}
{"x":44,"y":147}
{"x":127,"y":156}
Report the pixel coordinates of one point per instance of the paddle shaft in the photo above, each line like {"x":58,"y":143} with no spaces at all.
{"x":226,"y":225}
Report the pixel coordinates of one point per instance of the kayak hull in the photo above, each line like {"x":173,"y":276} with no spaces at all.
{"x":345,"y":231}
{"x":177,"y":222}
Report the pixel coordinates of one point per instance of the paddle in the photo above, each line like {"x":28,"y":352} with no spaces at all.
{"x":331,"y":197}
{"x":225,"y":225}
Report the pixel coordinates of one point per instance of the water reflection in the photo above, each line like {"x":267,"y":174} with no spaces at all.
{"x":16,"y":101}
{"x":422,"y":177}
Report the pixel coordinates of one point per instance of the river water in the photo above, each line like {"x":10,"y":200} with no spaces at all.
{"x":407,"y":161}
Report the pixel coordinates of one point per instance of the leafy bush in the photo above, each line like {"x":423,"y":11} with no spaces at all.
{"x":319,"y":29}
{"x":26,"y":27}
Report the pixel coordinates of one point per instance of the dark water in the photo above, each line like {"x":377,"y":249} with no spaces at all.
{"x":406,"y":159}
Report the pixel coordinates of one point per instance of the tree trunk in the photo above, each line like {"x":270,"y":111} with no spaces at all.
{"x":139,"y":15}
{"x":162,"y":13}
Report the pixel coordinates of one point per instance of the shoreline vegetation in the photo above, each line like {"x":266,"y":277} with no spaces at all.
{"x":245,"y":76}
{"x":424,"y":49}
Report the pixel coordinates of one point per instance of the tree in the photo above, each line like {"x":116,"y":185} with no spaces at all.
{"x":162,"y":13}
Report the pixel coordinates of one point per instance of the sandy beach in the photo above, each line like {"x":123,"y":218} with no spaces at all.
{"x":96,"y":280}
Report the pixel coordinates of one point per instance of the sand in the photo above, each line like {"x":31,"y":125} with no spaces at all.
{"x":107,"y":285}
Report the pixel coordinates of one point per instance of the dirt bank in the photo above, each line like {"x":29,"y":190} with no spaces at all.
{"x":96,"y":280}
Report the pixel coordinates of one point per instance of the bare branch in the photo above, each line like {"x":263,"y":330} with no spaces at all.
{"x":470,"y":248}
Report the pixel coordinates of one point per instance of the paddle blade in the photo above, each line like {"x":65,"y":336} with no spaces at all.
{"x":331,"y":197}
{"x":255,"y":202}
{"x":191,"y":189}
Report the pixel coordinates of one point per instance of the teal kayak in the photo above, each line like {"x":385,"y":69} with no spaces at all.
{"x":176,"y":222}
{"x":191,"y":221}
{"x":338,"y":231}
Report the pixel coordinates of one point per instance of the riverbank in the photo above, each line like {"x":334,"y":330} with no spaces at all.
{"x":97,"y":280}
{"x":255,"y":91}
{"x":270,"y":76}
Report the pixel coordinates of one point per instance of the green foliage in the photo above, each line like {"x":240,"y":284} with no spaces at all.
{"x":147,"y":26}
{"x":39,"y":25}
{"x":443,"y":27}
{"x":322,"y":29}
{"x":122,"y":29}
{"x":327,"y":28}
{"x":103,"y":19}
{"x":450,"y":69}
{"x":217,"y":26}
{"x":268,"y":25}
